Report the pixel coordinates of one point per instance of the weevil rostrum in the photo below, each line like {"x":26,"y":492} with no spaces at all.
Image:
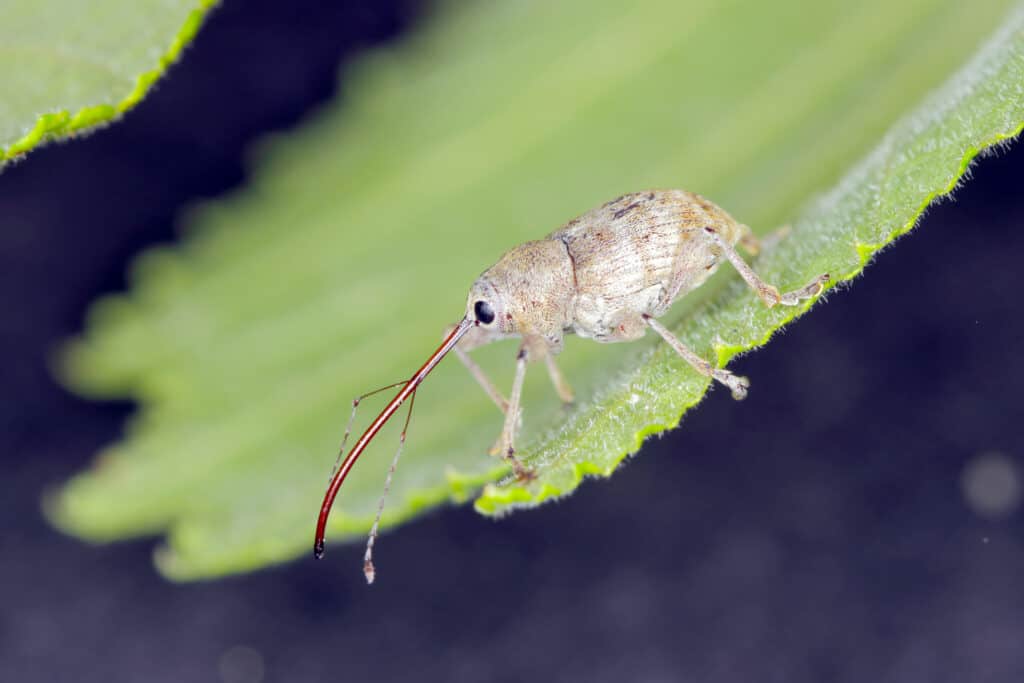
{"x":607,"y":275}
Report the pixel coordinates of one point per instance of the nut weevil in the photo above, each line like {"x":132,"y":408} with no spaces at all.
{"x":607,"y":275}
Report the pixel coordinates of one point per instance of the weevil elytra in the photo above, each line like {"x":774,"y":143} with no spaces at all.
{"x":607,"y":275}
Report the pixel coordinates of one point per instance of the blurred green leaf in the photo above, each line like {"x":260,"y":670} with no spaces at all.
{"x":70,"y":65}
{"x":337,"y":269}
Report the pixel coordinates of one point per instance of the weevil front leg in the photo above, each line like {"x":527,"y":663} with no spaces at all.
{"x":562,"y":388}
{"x":472,"y":341}
{"x":508,"y":431}
{"x":767,"y":293}
{"x":476,"y":338}
{"x":483,"y":380}
{"x":558,"y":380}
{"x":737,"y":384}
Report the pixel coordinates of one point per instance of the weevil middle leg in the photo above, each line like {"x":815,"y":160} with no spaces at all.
{"x":562,"y":387}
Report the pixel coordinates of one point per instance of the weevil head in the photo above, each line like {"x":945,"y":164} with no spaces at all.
{"x":529,"y":291}
{"x":486,"y":306}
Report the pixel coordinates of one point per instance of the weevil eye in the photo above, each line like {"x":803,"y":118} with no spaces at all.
{"x":484,"y":313}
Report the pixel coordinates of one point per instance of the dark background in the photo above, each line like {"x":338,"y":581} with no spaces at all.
{"x":816,"y":532}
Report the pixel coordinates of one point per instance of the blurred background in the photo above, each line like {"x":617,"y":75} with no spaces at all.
{"x":857,"y":518}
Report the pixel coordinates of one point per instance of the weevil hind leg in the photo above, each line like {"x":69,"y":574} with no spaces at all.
{"x":808,"y":291}
{"x":754,"y":245}
{"x":768,"y":293}
{"x":737,"y":384}
{"x":751,"y":243}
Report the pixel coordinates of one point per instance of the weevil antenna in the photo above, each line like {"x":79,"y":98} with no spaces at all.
{"x":352,"y":418}
{"x":368,"y":569}
{"x":346,"y":465}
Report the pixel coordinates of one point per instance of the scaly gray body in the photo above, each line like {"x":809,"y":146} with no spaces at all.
{"x":607,"y":275}
{"x":637,"y":255}
{"x":600,"y":273}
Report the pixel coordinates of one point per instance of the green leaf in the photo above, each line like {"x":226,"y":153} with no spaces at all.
{"x":70,"y":65}
{"x":336,"y":271}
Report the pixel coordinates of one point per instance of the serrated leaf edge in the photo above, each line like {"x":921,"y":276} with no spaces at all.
{"x":55,"y":125}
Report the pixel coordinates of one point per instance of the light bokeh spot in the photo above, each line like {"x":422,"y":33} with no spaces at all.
{"x":241,"y":664}
{"x":991,"y":485}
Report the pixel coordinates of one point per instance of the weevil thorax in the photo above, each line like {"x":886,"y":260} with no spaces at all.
{"x":529,"y":291}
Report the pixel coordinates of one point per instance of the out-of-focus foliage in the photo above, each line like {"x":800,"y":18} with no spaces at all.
{"x":69,"y":65}
{"x":337,"y":269}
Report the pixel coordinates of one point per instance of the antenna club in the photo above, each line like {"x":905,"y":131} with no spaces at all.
{"x":318,"y":549}
{"x":369,"y":572}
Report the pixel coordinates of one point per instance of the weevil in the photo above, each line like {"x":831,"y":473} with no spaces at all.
{"x":607,"y":275}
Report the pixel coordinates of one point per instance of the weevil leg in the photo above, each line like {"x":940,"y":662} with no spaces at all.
{"x":754,"y":245}
{"x":750,"y":242}
{"x":737,"y":385}
{"x":483,"y":380}
{"x":767,"y":293}
{"x":558,"y":380}
{"x":462,"y":352}
{"x":508,"y":432}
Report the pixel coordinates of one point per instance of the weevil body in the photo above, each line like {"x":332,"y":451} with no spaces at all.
{"x":600,"y":273}
{"x":607,"y":275}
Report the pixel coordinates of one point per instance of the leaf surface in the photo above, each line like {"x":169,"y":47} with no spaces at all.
{"x":337,"y":269}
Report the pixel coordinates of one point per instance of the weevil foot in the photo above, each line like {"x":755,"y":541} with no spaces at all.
{"x":811,"y":290}
{"x":522,"y":472}
{"x":770,"y":295}
{"x":737,"y":384}
{"x":525,"y":476}
{"x":739,"y":392}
